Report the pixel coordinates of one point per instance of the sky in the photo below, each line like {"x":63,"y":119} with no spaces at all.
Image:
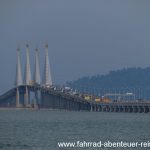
{"x":85,"y":37}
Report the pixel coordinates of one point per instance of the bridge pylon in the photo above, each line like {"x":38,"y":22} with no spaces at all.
{"x":18,"y":80}
{"x":47,"y":80}
{"x":37,"y":78}
{"x":27,"y":78}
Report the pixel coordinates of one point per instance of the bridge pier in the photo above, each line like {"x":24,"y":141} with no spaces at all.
{"x":91,"y":108}
{"x":120,"y":109}
{"x":69,"y":104}
{"x":146,"y":109}
{"x":60,"y":102}
{"x":125,"y":109}
{"x":26,"y":97}
{"x":72,"y":105}
{"x":77,"y":107}
{"x":103,"y":108}
{"x":111,"y":109}
{"x":36,"y":99}
{"x":107,"y":108}
{"x":96,"y":108}
{"x":135,"y":109}
{"x":116,"y":109}
{"x":130,"y":109}
{"x":17,"y":98}
{"x":99,"y":108}
{"x":140,"y":109}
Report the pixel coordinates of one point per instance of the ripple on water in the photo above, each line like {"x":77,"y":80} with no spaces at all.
{"x":41,"y":130}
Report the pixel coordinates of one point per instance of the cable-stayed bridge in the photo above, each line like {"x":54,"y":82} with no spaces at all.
{"x":35,"y":93}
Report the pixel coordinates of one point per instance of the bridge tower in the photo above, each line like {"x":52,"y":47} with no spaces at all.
{"x":47,"y":80}
{"x":37,"y":78}
{"x":27,"y":77}
{"x":18,"y":81}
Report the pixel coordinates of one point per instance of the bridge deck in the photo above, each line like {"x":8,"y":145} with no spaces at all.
{"x":95,"y":106}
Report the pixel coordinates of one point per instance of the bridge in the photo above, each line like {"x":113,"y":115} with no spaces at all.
{"x":36,"y":94}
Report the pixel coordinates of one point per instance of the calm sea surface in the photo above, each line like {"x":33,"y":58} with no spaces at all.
{"x":43,"y":129}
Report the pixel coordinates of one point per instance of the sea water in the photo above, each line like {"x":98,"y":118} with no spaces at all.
{"x":44,"y":129}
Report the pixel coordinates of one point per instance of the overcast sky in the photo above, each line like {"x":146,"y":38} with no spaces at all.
{"x":86,"y":37}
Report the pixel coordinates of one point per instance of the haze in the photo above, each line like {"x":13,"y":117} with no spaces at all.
{"x":85,"y":37}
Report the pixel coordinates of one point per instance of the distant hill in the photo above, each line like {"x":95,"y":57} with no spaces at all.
{"x":127,"y":77}
{"x":127,"y":80}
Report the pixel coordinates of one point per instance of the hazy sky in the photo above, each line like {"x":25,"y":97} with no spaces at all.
{"x":85,"y":37}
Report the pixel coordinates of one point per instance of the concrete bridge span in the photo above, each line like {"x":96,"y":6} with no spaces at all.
{"x":52,"y":98}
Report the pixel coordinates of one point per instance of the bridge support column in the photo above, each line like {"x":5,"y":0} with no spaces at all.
{"x":91,"y":108}
{"x":36,"y":98}
{"x":116,"y":109}
{"x":124,"y":108}
{"x":17,"y":98}
{"x":135,"y":109}
{"x":146,"y":109}
{"x":26,"y":97}
{"x":140,"y":109}
{"x":36,"y":102}
{"x":120,"y":109}
{"x":95,"y":108}
{"x":98,"y":108}
{"x":103,"y":108}
{"x":111,"y":109}
{"x":107,"y":108}
{"x":130,"y":109}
